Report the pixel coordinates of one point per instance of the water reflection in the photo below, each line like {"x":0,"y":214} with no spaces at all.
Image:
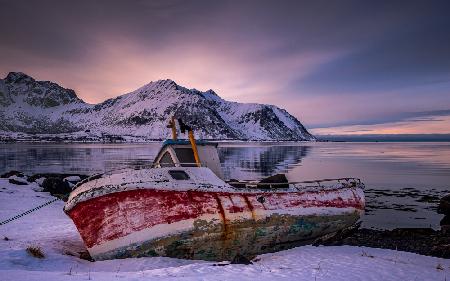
{"x":74,"y":158}
{"x":255,"y":162}
{"x":403,"y":180}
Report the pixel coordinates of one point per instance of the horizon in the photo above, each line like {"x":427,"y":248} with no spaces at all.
{"x":354,"y":69}
{"x":385,"y":138}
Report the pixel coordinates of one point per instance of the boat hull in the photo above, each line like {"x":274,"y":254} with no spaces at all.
{"x":210,"y":225}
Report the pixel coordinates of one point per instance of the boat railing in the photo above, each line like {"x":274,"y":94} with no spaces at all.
{"x":345,"y":182}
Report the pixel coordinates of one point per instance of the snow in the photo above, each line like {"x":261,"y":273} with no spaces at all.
{"x":19,"y":179}
{"x":50,"y":229}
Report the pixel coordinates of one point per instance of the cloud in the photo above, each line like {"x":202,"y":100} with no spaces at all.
{"x":328,"y":63}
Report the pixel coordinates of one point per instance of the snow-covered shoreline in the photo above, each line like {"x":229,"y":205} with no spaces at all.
{"x":87,"y":137}
{"x":51,"y":230}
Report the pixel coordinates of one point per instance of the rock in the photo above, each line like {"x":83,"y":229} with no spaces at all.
{"x":445,"y":221}
{"x":442,"y":251}
{"x":54,"y":175}
{"x":56,"y":186}
{"x":12,"y":173}
{"x":444,"y":205}
{"x":240,"y":259}
{"x":17,"y":180}
{"x":424,"y":241}
{"x":445,"y":224}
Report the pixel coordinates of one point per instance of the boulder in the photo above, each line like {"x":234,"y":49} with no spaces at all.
{"x":442,"y":251}
{"x":18,"y":181}
{"x":56,"y":186}
{"x":445,"y":224}
{"x":69,"y":177}
{"x":444,"y":205}
{"x":240,"y":259}
{"x":12,"y":173}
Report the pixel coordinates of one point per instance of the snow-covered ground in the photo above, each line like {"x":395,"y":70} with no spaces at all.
{"x":51,"y":230}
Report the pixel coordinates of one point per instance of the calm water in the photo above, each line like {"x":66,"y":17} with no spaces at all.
{"x":403,"y":180}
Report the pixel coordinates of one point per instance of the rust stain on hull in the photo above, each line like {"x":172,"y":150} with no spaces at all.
{"x":250,"y":207}
{"x":222,"y":215}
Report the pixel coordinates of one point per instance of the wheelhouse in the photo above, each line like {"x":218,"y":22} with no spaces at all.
{"x":179,"y":153}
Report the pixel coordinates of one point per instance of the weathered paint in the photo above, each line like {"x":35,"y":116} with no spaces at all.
{"x":210,"y":225}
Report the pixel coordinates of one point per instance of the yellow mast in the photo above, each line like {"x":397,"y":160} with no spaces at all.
{"x":194,"y":147}
{"x":183,"y":128}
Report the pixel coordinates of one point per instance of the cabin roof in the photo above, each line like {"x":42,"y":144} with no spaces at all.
{"x":184,"y":142}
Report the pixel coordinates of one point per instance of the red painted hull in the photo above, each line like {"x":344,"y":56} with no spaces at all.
{"x":142,"y":216}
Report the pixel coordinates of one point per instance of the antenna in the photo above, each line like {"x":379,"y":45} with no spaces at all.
{"x":173,"y":125}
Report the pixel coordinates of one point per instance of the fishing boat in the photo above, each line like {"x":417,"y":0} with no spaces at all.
{"x":182,"y":207}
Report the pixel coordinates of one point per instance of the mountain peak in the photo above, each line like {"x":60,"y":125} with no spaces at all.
{"x":167,"y":83}
{"x":14,"y":77}
{"x":211,"y":92}
{"x":211,"y":95}
{"x":39,"y":93}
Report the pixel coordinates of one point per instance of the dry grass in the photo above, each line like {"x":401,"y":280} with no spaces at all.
{"x":36,"y":252}
{"x":365,"y":254}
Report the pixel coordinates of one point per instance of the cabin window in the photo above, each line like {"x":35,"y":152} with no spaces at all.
{"x":166,"y":160}
{"x":186,"y":157}
{"x":179,"y":175}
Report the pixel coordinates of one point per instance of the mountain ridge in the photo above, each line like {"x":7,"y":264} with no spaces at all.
{"x":43,"y":107}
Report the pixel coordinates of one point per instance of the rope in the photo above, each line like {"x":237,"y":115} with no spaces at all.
{"x":28,"y":212}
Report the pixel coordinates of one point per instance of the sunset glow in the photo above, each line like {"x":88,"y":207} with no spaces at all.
{"x":350,"y":68}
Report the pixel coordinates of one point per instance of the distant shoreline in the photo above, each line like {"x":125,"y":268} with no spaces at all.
{"x":104,"y":138}
{"x":386,"y":138}
{"x":267,"y":142}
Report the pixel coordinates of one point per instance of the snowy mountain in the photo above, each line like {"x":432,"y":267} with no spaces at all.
{"x":41,"y":107}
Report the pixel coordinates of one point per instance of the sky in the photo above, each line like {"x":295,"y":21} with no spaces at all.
{"x":340,"y":67}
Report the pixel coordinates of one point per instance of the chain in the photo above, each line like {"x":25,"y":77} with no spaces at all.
{"x":28,"y":212}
